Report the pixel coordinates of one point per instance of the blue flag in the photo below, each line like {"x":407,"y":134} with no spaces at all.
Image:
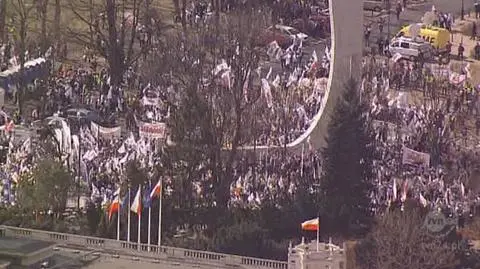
{"x":125,"y":200}
{"x":146,"y":196}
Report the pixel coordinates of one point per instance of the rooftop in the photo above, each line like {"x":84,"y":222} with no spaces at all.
{"x":10,"y":245}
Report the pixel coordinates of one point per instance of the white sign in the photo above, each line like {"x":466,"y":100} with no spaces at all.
{"x":152,"y":130}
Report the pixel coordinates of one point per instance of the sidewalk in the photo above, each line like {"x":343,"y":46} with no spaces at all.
{"x":461,"y":33}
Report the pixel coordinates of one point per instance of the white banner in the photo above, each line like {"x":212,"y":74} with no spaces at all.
{"x":152,"y":130}
{"x":105,"y":132}
{"x":147,"y":101}
{"x":413,"y":157}
{"x":456,"y":78}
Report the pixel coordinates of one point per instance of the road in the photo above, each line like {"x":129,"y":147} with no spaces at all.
{"x":412,"y":14}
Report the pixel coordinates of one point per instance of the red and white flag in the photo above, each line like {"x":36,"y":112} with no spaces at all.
{"x":156,"y":190}
{"x":115,"y":205}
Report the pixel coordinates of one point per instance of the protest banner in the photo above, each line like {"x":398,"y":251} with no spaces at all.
{"x":105,"y":132}
{"x":413,"y":157}
{"x":152,"y":130}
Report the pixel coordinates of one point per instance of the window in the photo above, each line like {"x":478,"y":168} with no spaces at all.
{"x":405,"y":45}
{"x":395,"y":44}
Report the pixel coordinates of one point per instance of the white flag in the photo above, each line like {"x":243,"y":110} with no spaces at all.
{"x":137,"y":203}
{"x":423,"y":201}
{"x":394,"y":189}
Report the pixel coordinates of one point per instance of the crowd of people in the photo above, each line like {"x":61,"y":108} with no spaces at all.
{"x":429,"y":124}
{"x":435,"y":125}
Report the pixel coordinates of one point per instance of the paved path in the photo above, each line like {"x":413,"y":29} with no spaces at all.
{"x":414,"y":13}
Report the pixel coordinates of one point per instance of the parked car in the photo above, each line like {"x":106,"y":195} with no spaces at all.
{"x":412,"y":49}
{"x":375,"y":5}
{"x":268,"y":36}
{"x":315,"y":26}
{"x":289,"y":31}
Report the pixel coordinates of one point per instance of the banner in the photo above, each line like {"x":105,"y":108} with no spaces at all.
{"x":413,"y":157}
{"x":152,"y":130}
{"x":105,"y":132}
{"x":147,"y":101}
{"x":456,"y":78}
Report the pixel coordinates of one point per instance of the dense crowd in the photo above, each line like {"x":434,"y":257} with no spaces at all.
{"x":435,"y":126}
{"x":413,"y":107}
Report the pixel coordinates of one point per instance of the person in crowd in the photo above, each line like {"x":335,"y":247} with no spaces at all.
{"x":461,"y":50}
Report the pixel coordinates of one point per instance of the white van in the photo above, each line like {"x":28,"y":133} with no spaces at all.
{"x":409,"y":48}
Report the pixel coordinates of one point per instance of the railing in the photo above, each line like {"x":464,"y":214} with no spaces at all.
{"x":151,"y":251}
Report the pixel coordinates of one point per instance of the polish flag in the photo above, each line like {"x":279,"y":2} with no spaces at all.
{"x":311,"y":225}
{"x":157,"y":190}
{"x":10,"y":126}
{"x":137,"y":203}
{"x":115,"y":205}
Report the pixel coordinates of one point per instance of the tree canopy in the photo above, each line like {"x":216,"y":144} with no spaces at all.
{"x":345,"y":187}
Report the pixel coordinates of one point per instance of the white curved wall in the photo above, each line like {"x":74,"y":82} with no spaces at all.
{"x":346,"y":23}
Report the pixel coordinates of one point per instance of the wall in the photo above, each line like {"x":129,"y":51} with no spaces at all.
{"x":346,"y":22}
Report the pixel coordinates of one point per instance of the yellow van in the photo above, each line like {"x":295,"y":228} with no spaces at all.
{"x":436,"y":36}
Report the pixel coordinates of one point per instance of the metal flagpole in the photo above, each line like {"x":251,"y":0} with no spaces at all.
{"x":149,"y":219}
{"x":318,"y":233}
{"x":139,"y":214}
{"x":128,"y":216}
{"x":118,"y":216}
{"x":160,"y":213}
{"x":301,"y":162}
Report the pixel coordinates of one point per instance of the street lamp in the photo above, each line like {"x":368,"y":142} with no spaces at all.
{"x":463,"y":10}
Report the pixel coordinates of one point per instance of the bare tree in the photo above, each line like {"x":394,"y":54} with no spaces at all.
{"x":42,"y":8}
{"x":400,"y":240}
{"x":112,"y":32}
{"x":22,"y":11}
{"x":3,"y":19}
{"x":212,"y":109}
{"x":56,"y":19}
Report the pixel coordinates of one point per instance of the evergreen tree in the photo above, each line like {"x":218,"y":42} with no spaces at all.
{"x":344,"y":193}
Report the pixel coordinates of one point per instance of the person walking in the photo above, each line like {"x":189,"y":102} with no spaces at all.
{"x":474,"y":31}
{"x":461,"y":50}
{"x":398,"y":10}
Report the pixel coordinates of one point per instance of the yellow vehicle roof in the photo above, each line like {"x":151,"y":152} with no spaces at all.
{"x":426,"y":27}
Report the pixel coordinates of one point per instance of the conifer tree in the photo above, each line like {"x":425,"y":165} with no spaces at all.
{"x":345,"y":207}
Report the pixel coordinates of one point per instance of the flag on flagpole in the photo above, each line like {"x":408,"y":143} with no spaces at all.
{"x":311,"y":225}
{"x":423,"y":201}
{"x":115,"y":205}
{"x":394,"y":189}
{"x":146,"y":197}
{"x":137,"y":203}
{"x":156,"y":190}
{"x":404,"y":190}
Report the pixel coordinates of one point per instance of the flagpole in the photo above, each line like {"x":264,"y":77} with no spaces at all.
{"x":160,"y":213}
{"x":149,"y":220}
{"x":139,"y":214}
{"x":301,"y":161}
{"x":128,"y":215}
{"x":318,"y":233}
{"x":118,"y":216}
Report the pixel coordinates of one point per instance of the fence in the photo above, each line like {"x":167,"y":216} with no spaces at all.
{"x":151,"y":251}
